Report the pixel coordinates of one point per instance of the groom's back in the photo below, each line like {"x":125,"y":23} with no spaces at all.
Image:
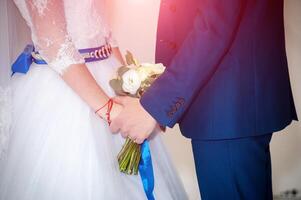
{"x":249,"y":93}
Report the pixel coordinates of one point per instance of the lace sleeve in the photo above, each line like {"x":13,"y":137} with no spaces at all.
{"x":46,"y":19}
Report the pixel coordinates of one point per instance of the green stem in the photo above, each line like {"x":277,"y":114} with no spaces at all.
{"x":137,"y":160}
{"x":124,"y":162}
{"x":127,"y":148}
{"x":124,"y":148}
{"x":129,"y":157}
{"x":130,"y":166}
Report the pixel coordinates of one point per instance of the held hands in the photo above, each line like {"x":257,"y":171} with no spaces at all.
{"x":132,"y":120}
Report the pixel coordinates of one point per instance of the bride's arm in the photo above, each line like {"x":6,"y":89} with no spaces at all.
{"x":48,"y":26}
{"x":81,"y":81}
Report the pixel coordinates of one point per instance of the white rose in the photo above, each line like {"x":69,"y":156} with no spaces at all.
{"x":131,"y":81}
{"x":143,"y":73}
{"x":147,"y":69}
{"x":158,"y":68}
{"x":153,"y":68}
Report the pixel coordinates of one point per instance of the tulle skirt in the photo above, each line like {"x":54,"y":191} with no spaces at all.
{"x":60,"y":150}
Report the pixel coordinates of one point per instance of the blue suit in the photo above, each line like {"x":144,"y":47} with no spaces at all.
{"x":227,"y":75}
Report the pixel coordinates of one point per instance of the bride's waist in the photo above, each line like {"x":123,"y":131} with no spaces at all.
{"x":90,"y":54}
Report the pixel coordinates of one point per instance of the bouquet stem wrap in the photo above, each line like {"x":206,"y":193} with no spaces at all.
{"x":133,"y":158}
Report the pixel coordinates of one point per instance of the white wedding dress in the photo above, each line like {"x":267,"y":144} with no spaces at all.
{"x":59,"y":149}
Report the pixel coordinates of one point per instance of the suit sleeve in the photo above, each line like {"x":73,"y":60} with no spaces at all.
{"x":196,"y":61}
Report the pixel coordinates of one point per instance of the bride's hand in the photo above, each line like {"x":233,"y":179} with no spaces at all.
{"x":116,"y":110}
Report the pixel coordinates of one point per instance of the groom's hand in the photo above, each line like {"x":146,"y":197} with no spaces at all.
{"x":133,"y":121}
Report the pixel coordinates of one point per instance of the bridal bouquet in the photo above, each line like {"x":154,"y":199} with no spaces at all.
{"x":133,"y":80}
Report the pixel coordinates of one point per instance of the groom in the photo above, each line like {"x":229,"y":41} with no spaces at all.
{"x":227,"y":85}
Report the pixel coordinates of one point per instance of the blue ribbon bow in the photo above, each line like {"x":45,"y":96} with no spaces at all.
{"x":146,"y":170}
{"x":24,"y":60}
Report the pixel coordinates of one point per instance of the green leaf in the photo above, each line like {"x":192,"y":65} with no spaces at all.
{"x":122,"y":70}
{"x":130,"y":59}
{"x":116,"y":85}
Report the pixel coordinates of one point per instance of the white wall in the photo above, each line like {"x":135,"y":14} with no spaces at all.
{"x":4,"y":43}
{"x":134,"y":24}
{"x":286,"y":147}
{"x":14,"y":35}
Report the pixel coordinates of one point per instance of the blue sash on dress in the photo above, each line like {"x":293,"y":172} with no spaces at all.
{"x":29,"y":55}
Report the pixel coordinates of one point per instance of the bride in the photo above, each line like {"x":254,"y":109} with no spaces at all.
{"x":59,"y":147}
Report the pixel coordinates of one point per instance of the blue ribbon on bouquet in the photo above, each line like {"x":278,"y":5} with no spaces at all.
{"x":146,"y":171}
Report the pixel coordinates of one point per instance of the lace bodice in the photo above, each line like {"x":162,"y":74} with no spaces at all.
{"x":60,"y":27}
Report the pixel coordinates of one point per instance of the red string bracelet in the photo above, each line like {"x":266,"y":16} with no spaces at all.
{"x":102,"y":107}
{"x":109,"y":106}
{"x":108,"y":114}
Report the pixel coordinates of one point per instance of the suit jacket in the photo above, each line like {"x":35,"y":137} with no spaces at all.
{"x":227,"y":74}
